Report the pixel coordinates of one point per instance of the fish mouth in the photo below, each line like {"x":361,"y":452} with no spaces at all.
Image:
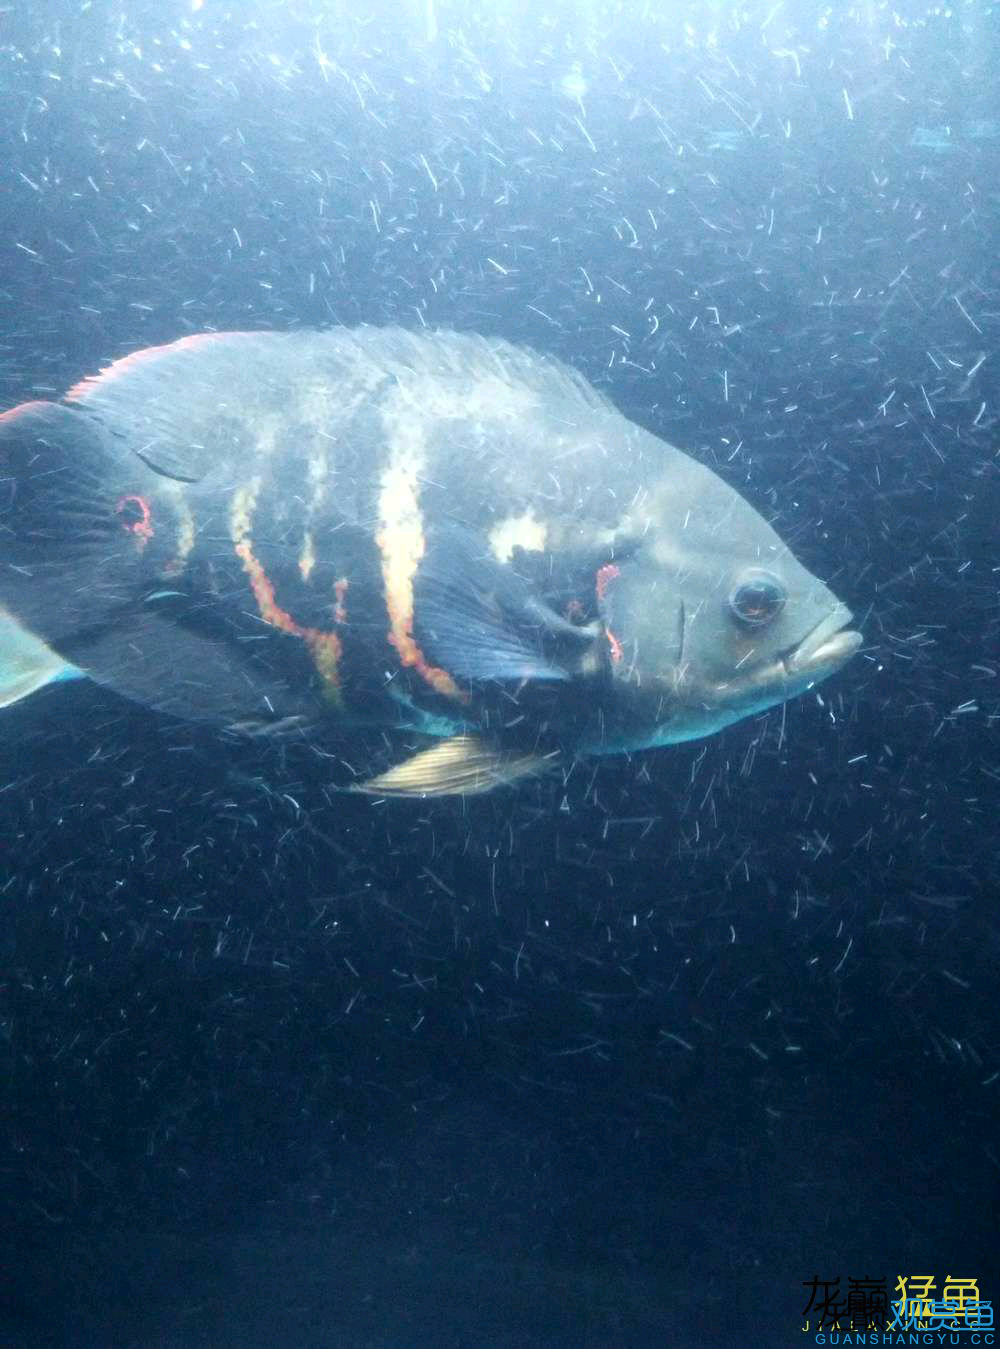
{"x":700,"y":711}
{"x":828,"y":646}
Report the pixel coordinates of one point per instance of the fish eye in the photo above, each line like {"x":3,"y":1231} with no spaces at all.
{"x":758,"y":599}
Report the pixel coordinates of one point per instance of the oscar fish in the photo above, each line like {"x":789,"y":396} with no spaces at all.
{"x":433,"y":533}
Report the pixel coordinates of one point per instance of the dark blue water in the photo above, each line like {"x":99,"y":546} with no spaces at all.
{"x":623,"y":1062}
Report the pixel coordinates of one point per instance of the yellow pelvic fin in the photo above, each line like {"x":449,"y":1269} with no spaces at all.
{"x":462,"y":765}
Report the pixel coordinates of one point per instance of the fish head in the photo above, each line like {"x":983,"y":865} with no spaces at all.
{"x":709,"y":616}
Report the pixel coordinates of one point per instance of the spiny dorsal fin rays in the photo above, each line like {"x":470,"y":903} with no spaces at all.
{"x":462,"y":765}
{"x":166,"y":399}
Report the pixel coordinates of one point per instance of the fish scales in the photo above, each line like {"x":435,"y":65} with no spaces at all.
{"x":431,"y":531}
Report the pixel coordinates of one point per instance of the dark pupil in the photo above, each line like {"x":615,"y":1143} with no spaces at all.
{"x":757,"y":601}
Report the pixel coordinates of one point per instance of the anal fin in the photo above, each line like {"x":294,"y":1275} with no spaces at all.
{"x":462,"y":765}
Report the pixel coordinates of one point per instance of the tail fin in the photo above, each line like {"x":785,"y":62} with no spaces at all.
{"x":26,"y":664}
{"x":67,"y":555}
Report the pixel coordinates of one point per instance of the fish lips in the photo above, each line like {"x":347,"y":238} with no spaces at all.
{"x":823,"y":650}
{"x":828,"y":646}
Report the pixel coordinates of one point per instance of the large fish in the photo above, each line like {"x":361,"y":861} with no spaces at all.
{"x":431,"y":532}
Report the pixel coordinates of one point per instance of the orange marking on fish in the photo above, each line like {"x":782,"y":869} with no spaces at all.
{"x":398,"y":573}
{"x":340,"y":604}
{"x":325,"y":646}
{"x":184,"y":540}
{"x":307,"y":557}
{"x":137,"y":517}
{"x":605,"y":575}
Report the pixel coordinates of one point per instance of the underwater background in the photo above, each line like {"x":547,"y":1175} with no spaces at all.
{"x":629,"y":1060}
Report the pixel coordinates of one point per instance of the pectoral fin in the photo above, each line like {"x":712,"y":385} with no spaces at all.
{"x":462,"y":765}
{"x":481,"y":620}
